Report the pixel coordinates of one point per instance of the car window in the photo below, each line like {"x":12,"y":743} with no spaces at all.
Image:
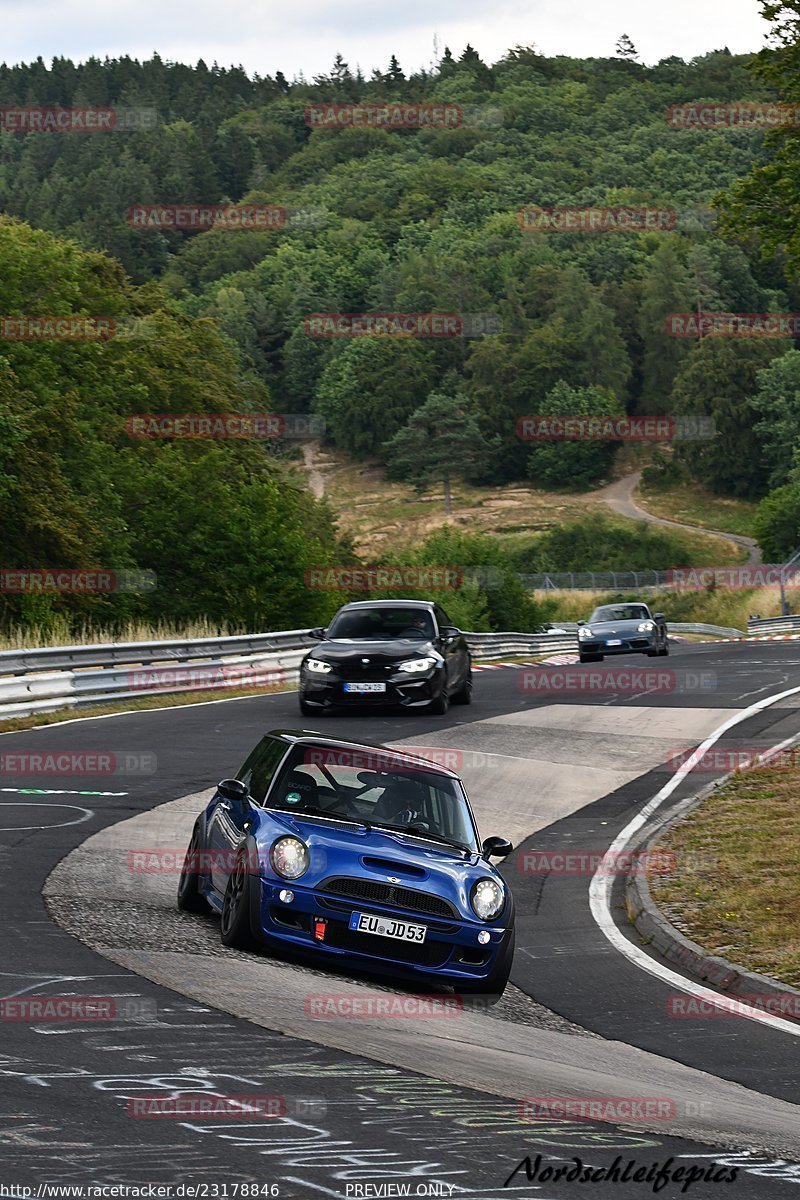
{"x":442,"y":617}
{"x":380,"y":787}
{"x":382,"y":624}
{"x":260,"y":767}
{"x":620,"y":612}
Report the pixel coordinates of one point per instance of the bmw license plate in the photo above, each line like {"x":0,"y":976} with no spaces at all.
{"x":614,"y":642}
{"x":364,"y":689}
{"x":387,"y":927}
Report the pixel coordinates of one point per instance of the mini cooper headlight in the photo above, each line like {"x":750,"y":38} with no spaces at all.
{"x":584,"y":631}
{"x":289,"y":857}
{"x":412,"y":665}
{"x":317,"y":666}
{"x":646,"y":626}
{"x":487,"y":899}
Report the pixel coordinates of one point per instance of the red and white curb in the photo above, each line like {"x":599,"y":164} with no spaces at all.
{"x":557,"y":660}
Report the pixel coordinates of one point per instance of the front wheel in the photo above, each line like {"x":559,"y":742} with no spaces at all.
{"x":190,"y":899}
{"x":441,"y":704}
{"x":305,"y":708}
{"x":464,"y":693}
{"x":664,"y":651}
{"x":492,"y":988}
{"x":235,"y":927}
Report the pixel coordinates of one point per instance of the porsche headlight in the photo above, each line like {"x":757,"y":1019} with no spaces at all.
{"x":487,"y":899}
{"x":646,"y":626}
{"x":584,"y":631}
{"x":412,"y":665}
{"x":317,"y":666}
{"x":289,"y":857}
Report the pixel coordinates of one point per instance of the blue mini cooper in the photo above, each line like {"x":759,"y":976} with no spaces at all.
{"x":363,"y":856}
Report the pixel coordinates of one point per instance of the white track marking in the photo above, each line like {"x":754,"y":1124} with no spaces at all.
{"x":87,"y":814}
{"x":600,"y":887}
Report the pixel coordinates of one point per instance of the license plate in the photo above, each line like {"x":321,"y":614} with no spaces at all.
{"x":614,"y":642}
{"x":363,"y":689}
{"x":387,"y":927}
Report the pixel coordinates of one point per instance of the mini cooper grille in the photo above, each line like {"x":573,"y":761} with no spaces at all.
{"x":389,"y":893}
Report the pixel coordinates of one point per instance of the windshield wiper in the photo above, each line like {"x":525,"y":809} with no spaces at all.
{"x":419,"y":833}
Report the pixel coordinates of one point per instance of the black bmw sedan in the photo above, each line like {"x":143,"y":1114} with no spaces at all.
{"x":387,"y":652}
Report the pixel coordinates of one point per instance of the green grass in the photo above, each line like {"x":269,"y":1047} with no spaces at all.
{"x":734,"y":889}
{"x":691,"y":504}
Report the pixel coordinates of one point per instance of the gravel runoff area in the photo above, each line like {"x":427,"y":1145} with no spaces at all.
{"x":120,"y":925}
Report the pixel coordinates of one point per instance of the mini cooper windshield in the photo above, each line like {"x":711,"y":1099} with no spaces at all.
{"x":381,"y":789}
{"x":382,"y":624}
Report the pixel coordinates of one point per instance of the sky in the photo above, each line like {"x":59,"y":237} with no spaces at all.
{"x":266,"y":36}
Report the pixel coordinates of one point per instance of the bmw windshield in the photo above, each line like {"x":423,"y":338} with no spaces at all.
{"x":382,"y":624}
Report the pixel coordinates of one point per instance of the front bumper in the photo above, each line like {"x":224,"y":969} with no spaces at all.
{"x":401,"y":688}
{"x":639,"y":643}
{"x":450,"y":953}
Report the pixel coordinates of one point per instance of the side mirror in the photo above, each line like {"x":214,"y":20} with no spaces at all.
{"x":581,"y":622}
{"x":319,"y":633}
{"x":496,"y":847}
{"x":658,"y":617}
{"x":449,"y":631}
{"x":233,"y":790}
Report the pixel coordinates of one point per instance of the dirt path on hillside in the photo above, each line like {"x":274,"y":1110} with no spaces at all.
{"x":619,"y":497}
{"x":316,"y":480}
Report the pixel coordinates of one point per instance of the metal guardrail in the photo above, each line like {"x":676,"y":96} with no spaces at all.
{"x":55,"y":677}
{"x":790,"y":624}
{"x":46,"y":679}
{"x":698,"y":627}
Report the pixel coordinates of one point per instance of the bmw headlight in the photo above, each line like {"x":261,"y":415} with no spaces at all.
{"x":487,"y":899}
{"x":646,"y":626}
{"x":317,"y":666}
{"x":584,"y":631}
{"x":412,"y":665}
{"x":289,"y":857}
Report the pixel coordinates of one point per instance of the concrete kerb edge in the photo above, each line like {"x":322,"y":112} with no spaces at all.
{"x":656,"y":931}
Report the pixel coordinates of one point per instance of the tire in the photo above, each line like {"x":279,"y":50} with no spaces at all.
{"x":464,"y":693}
{"x":587,"y":657}
{"x":664,"y":651}
{"x":440,"y":706}
{"x":306,"y":709}
{"x":492,"y":988}
{"x":235,"y":927}
{"x":190,"y":898}
{"x":652,"y":653}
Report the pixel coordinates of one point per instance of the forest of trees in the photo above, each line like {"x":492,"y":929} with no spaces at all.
{"x":378,"y":220}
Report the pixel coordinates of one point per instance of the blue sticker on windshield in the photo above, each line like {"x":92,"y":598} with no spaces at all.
{"x":293,"y":798}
